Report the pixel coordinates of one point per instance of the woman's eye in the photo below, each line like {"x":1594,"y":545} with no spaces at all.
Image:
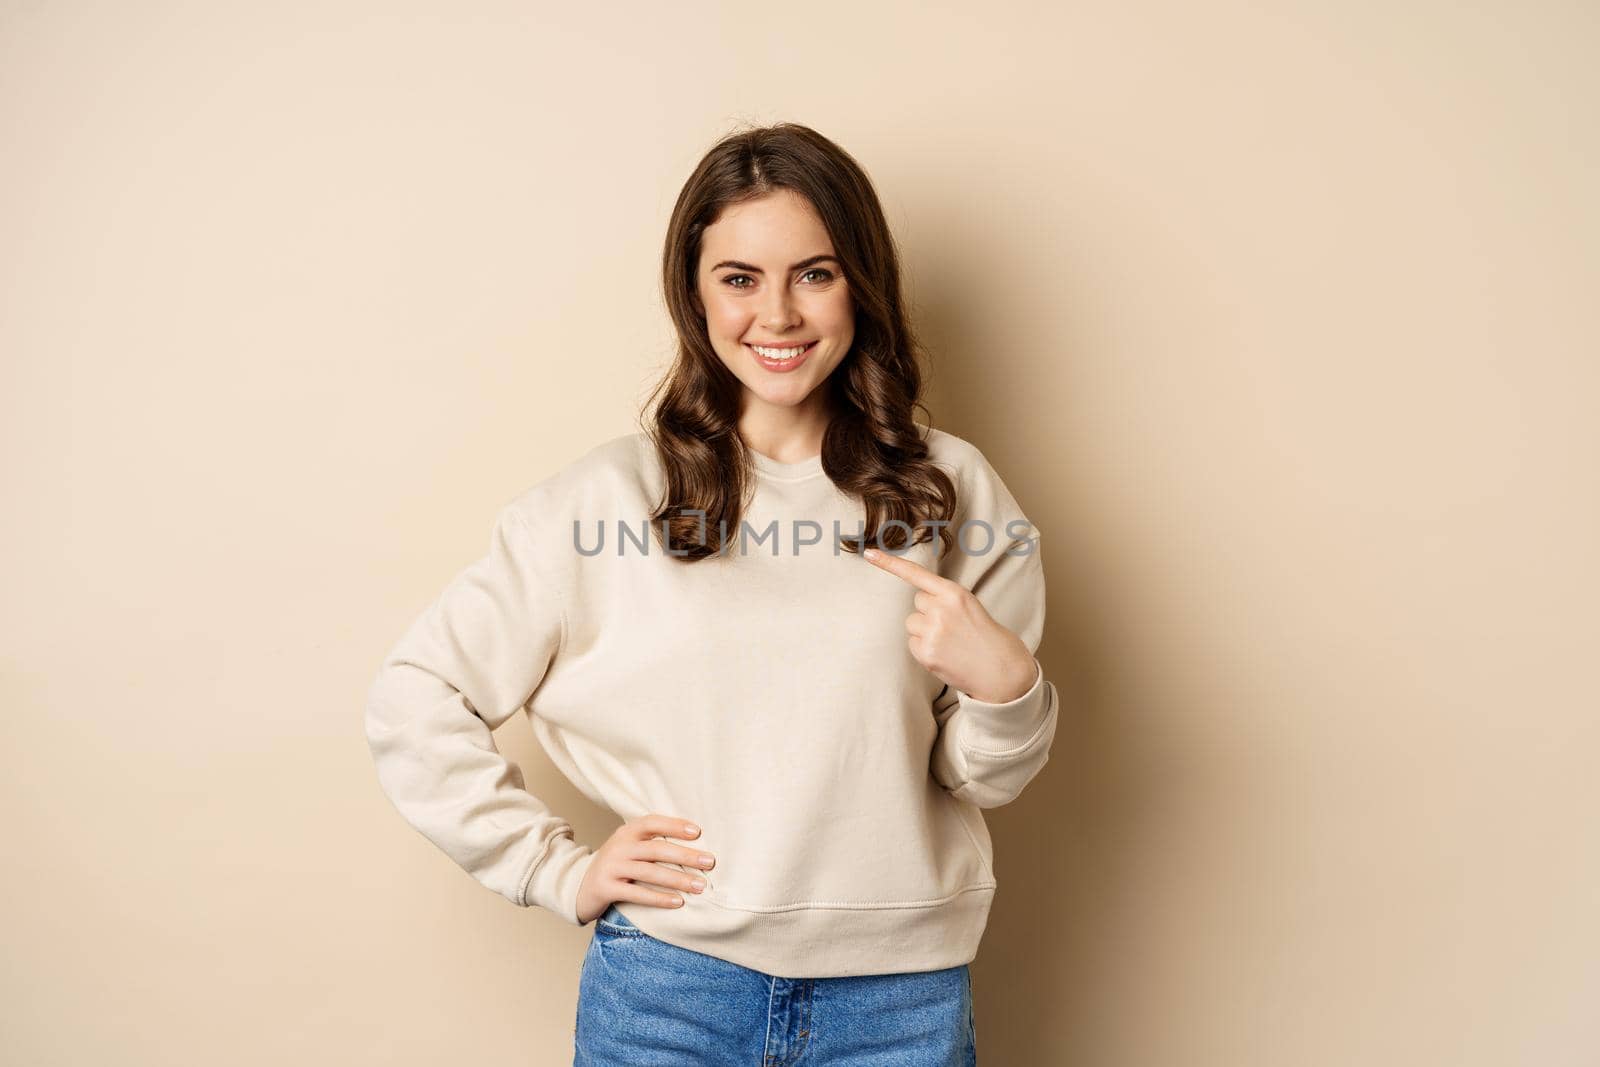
{"x":732,"y":279}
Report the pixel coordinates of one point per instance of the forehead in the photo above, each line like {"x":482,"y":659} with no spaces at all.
{"x":774,"y":230}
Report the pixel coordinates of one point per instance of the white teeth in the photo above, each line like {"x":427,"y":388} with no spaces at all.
{"x":780,"y":353}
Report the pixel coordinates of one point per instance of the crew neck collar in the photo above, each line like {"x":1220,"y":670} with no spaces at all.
{"x":785,"y":472}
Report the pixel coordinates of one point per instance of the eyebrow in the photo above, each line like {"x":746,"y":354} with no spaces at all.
{"x":752,"y":268}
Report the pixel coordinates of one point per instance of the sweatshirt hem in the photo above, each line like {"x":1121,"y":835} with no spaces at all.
{"x":826,"y":940}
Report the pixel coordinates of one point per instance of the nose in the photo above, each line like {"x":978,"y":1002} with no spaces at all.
{"x":779,"y":314}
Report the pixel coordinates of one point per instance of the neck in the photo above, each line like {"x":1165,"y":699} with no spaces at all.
{"x":786,"y":434}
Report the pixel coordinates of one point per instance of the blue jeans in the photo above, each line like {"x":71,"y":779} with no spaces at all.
{"x":645,"y":1003}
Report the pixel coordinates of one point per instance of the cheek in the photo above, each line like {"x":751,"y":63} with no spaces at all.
{"x":725,"y":319}
{"x":837,"y":312}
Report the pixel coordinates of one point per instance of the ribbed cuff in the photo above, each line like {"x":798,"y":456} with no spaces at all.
{"x":1005,"y":729}
{"x":553,"y":882}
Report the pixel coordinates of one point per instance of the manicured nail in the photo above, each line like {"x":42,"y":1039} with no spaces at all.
{"x":871,"y":553}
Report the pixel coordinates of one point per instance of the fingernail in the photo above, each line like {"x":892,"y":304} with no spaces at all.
{"x":692,"y":828}
{"x":871,"y":553}
{"x":699,"y":883}
{"x":705,"y":860}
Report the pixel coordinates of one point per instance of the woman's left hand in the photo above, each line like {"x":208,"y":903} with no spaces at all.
{"x":956,"y":639}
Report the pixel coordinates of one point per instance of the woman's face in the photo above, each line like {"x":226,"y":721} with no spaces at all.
{"x":767,"y":277}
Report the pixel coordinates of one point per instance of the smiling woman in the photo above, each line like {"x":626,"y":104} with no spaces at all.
{"x":833,"y":725}
{"x":780,"y":330}
{"x":778,"y":241}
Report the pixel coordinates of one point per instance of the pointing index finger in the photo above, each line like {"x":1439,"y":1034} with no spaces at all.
{"x":908,"y":569}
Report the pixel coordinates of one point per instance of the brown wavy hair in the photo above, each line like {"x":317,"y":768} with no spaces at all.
{"x":871,"y":449}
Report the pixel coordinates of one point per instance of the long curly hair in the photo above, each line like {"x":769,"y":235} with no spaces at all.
{"x":872,"y":449}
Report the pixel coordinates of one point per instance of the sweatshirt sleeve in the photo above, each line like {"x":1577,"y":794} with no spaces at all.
{"x":986,"y":753}
{"x":464,"y":666}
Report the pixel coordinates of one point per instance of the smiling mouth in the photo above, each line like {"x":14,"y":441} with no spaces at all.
{"x":781,"y":353}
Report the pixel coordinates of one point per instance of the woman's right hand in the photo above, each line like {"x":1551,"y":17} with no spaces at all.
{"x":636,"y":852}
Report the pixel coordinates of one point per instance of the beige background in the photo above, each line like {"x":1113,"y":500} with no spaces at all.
{"x":1279,"y":319}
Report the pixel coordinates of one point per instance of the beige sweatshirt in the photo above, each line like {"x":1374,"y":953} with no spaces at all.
{"x":768,"y":696}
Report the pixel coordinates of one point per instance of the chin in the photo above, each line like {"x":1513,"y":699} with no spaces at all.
{"x":785,"y":398}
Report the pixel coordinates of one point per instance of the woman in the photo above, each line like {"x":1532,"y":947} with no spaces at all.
{"x":799,"y":742}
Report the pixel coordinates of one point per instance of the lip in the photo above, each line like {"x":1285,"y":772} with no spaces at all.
{"x":782,"y":366}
